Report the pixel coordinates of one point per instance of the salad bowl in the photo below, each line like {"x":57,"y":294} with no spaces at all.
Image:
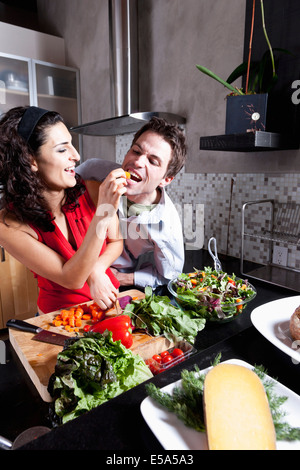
{"x":212,"y":294}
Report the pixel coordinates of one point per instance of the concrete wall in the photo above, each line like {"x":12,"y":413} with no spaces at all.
{"x":174,"y":36}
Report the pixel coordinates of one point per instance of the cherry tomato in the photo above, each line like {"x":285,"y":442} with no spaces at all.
{"x":155,"y":369}
{"x":149,"y":362}
{"x":177,"y":352}
{"x":164,"y":353}
{"x":157,"y":358}
{"x":167,"y":358}
{"x":86,"y":327}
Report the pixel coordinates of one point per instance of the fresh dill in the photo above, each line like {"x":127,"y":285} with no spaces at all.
{"x":186,"y":401}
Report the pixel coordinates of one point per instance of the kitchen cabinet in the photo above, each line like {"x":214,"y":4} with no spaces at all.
{"x":18,"y":290}
{"x":25,"y":81}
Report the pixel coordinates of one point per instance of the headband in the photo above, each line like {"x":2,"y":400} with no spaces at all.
{"x":29,"y":121}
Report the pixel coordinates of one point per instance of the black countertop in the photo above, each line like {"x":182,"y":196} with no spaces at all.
{"x":118,"y":424}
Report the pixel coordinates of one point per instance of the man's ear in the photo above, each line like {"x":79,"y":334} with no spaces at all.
{"x":166,"y":181}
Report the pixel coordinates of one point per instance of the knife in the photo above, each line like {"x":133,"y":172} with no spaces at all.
{"x":40,"y":334}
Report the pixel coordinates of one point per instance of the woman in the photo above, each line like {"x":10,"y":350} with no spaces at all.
{"x":48,"y":217}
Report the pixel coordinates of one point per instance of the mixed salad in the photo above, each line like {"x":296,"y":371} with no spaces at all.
{"x":213,"y":294}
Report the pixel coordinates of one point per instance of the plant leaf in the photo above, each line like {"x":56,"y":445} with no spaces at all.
{"x":220,"y":80}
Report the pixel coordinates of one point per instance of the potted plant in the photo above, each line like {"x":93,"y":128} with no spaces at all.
{"x":246,"y":110}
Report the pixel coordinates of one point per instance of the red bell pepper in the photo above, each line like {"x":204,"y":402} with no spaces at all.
{"x":123,"y":335}
{"x":120,"y":326}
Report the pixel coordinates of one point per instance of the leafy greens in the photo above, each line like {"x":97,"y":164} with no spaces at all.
{"x":91,"y":370}
{"x":159,"y":316}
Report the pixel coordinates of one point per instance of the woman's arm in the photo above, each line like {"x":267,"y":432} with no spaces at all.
{"x":20,"y":241}
{"x":101,"y":287}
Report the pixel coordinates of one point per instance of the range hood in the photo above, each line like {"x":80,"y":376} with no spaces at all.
{"x":123,"y":41}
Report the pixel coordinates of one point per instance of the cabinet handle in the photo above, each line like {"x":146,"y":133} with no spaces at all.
{"x":2,"y":254}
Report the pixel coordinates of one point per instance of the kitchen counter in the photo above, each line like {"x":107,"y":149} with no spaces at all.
{"x":118,"y":424}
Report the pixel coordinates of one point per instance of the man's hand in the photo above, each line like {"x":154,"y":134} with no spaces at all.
{"x":125,"y":279}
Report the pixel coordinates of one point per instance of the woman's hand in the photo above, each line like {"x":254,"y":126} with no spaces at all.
{"x":102,"y":290}
{"x":110,"y":192}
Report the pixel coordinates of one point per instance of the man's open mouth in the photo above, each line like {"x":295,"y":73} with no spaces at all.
{"x":134,"y":176}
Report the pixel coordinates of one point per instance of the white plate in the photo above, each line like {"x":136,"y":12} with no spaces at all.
{"x":174,"y":435}
{"x":272,"y":320}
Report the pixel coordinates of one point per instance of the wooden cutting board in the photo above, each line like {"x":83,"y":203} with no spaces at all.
{"x":39,"y":358}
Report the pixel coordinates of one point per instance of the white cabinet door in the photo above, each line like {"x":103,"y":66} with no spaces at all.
{"x":15,"y":82}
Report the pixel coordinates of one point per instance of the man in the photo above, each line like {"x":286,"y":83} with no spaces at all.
{"x":153,"y":240}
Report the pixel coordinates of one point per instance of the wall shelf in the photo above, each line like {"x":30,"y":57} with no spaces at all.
{"x":281,"y":226}
{"x":257,"y":141}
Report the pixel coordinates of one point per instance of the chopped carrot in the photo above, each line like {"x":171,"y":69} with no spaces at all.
{"x":86,"y":316}
{"x":94,"y":313}
{"x":71,"y":318}
{"x":239,"y":307}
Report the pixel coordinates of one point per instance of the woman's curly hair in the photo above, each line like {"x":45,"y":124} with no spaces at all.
{"x":21,"y":189}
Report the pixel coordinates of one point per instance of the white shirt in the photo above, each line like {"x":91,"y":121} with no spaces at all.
{"x":153,"y":240}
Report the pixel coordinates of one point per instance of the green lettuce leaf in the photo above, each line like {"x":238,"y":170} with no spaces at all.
{"x":90,"y":371}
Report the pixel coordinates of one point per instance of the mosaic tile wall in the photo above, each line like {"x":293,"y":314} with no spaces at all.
{"x":211,"y":206}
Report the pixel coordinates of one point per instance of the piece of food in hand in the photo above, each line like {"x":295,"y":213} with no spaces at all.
{"x":237,"y":412}
{"x":123,"y":301}
{"x":132,"y":177}
{"x":295,"y":324}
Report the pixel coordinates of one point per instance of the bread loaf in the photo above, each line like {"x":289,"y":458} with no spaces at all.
{"x":237,"y":412}
{"x":295,"y":324}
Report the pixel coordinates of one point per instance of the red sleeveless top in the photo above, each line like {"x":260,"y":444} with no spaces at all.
{"x":52,"y":296}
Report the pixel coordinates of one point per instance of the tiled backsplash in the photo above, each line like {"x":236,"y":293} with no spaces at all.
{"x":211,"y":206}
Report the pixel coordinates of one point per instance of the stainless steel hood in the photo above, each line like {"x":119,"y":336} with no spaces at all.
{"x":123,"y":40}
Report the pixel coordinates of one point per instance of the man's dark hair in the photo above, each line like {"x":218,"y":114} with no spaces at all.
{"x":172,"y":134}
